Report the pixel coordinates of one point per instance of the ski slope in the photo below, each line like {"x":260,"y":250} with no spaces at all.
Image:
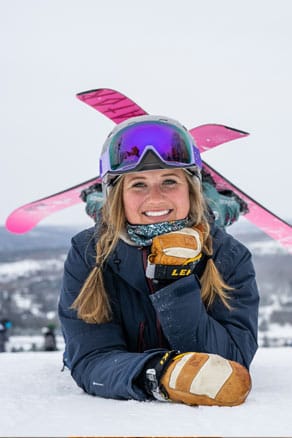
{"x":37,"y":399}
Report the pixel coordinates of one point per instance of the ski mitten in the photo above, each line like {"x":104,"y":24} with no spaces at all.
{"x":225,"y":205}
{"x":175,"y":255}
{"x":199,"y":379}
{"x":93,"y":198}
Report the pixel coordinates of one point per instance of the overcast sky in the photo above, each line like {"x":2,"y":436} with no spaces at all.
{"x":197,"y":61}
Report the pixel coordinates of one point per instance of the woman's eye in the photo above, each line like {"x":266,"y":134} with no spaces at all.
{"x":138,"y":184}
{"x":169,"y":182}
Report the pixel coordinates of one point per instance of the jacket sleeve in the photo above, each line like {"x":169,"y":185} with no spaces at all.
{"x":189,"y":326}
{"x":96,"y":353}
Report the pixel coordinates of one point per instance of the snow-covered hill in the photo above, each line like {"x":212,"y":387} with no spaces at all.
{"x":37,"y":399}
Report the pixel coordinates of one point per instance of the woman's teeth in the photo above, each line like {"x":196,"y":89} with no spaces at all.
{"x":157,"y":213}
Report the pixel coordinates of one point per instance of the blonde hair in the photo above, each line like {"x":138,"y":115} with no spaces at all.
{"x":92,"y":303}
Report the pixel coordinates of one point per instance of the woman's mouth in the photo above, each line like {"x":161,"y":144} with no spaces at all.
{"x":157,"y":213}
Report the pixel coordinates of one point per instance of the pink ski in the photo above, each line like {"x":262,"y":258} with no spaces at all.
{"x":265,"y":220}
{"x":25,"y":218}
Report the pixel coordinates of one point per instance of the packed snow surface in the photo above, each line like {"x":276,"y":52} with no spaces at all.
{"x":37,"y":399}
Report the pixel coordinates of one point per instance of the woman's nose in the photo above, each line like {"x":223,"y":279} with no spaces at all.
{"x":155,"y":191}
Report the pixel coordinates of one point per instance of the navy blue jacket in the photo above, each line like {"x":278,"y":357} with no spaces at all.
{"x":106,"y":359}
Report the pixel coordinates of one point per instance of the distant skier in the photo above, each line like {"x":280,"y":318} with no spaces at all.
{"x":5,"y":325}
{"x":50,"y":343}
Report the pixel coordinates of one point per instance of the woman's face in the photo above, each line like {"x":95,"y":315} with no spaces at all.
{"x":156,"y":196}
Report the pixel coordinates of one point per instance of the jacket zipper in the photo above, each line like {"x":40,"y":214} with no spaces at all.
{"x":151,"y":291}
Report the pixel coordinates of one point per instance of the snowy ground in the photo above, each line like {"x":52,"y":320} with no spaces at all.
{"x":37,"y":399}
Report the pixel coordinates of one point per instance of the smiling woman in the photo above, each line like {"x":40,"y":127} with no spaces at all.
{"x":157,"y":301}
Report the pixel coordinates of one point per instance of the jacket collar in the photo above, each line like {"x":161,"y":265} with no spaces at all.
{"x":126,"y":261}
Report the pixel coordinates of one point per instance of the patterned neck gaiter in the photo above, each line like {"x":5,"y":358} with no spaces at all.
{"x":142,"y":235}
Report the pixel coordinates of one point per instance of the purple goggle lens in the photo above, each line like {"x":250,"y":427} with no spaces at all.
{"x":126,"y":149}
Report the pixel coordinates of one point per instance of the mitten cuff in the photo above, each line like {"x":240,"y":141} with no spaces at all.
{"x":152,"y":373}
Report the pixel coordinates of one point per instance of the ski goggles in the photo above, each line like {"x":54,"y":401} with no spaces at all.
{"x":171,"y":142}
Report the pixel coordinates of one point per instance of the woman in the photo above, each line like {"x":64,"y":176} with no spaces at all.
{"x":157,"y":301}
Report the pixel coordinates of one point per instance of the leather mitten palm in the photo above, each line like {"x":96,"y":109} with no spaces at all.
{"x":200,"y":379}
{"x":175,"y":255}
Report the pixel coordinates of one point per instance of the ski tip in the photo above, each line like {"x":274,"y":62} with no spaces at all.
{"x":82,"y":94}
{"x":86,"y":92}
{"x":24,"y":219}
{"x":240,"y":131}
{"x":13,"y":225}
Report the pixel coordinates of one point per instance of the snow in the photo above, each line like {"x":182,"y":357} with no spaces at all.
{"x":269,"y":247}
{"x":37,"y":399}
{"x":24,"y":268}
{"x":30,"y":343}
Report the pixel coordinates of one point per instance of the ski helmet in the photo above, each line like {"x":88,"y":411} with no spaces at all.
{"x":147,"y":143}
